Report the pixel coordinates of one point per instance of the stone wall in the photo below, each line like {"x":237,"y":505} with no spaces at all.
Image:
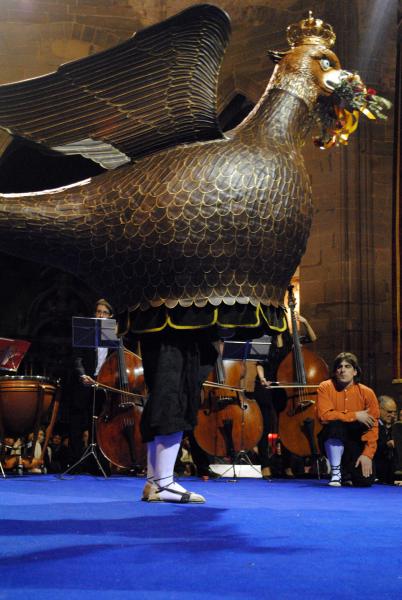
{"x":346,"y":274}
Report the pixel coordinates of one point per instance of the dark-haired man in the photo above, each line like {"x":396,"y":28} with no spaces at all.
{"x":349,"y":413}
{"x":87,"y":364}
{"x":385,"y":459}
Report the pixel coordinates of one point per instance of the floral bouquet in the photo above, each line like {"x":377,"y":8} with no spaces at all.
{"x":338,"y":114}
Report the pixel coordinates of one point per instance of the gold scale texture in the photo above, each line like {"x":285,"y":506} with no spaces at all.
{"x":196,"y":216}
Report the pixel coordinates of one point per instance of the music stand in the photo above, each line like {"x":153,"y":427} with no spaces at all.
{"x":251,"y":351}
{"x":93,"y":333}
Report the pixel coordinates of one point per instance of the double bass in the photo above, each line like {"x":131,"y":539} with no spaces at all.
{"x":118,"y":426}
{"x":303,"y":370}
{"x":228,"y":422}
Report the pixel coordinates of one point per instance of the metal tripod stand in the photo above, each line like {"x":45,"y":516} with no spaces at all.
{"x":92,"y":448}
{"x":239,"y":458}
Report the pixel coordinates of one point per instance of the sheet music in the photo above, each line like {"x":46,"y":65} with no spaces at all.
{"x":89,"y":332}
{"x":12,"y":352}
{"x":256,"y":349}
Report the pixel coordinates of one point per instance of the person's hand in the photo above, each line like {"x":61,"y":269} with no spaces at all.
{"x":300,"y":318}
{"x":366,"y":464}
{"x":87,"y":380}
{"x":265,"y":383}
{"x":364,"y":417}
{"x":391,"y":444}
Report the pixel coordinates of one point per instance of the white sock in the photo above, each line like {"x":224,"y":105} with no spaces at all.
{"x":334,"y":449}
{"x":151,"y":457}
{"x":166,"y":451}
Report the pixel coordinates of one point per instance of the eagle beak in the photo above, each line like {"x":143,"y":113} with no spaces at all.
{"x":335,"y":77}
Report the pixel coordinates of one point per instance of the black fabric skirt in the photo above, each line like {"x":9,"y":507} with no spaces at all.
{"x":178,"y":353}
{"x":175,"y":366}
{"x":242,"y":321}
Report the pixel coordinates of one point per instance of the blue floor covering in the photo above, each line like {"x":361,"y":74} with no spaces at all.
{"x":86,"y":537}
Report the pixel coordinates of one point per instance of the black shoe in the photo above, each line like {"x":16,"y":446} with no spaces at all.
{"x":205,"y":476}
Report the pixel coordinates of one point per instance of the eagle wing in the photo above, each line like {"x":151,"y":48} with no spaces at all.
{"x":154,"y":91}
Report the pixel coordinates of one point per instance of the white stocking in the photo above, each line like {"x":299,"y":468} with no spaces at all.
{"x":334,"y":449}
{"x":166,"y":451}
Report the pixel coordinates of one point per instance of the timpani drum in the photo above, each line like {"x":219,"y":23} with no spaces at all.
{"x":24,"y":402}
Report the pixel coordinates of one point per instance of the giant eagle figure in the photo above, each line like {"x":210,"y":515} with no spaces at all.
{"x":186,"y":217}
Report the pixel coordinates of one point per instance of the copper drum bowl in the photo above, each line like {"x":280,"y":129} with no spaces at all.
{"x":24,"y":401}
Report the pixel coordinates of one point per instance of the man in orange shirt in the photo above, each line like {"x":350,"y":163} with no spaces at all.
{"x":349,"y":413}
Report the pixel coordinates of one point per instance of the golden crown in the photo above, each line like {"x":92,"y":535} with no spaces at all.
{"x":311,"y":31}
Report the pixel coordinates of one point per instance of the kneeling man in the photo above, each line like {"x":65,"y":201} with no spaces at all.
{"x":349,"y":412}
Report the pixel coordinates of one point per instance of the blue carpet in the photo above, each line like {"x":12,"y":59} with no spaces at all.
{"x":86,"y":537}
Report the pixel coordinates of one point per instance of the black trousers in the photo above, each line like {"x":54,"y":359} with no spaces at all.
{"x":385,"y":468}
{"x":350,"y":435}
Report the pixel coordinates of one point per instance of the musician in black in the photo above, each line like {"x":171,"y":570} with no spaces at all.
{"x":385,"y":456}
{"x":273,"y":401}
{"x":87,"y":364}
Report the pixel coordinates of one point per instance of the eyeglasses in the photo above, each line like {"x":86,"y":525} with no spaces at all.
{"x":103,"y":312}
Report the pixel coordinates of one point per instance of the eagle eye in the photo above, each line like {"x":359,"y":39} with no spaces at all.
{"x":325,"y":64}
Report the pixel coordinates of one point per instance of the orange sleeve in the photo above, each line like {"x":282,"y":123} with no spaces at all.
{"x":327,"y":409}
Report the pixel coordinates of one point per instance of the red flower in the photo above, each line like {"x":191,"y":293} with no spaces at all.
{"x":371,"y":92}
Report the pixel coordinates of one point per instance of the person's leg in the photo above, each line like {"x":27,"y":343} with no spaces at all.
{"x":332,"y":438}
{"x":384,"y":471}
{"x":353,"y":449}
{"x":201,"y":459}
{"x":287,"y":463}
{"x":165,"y":489}
{"x":150,"y":485}
{"x":334,"y":450}
{"x":173,"y":374}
